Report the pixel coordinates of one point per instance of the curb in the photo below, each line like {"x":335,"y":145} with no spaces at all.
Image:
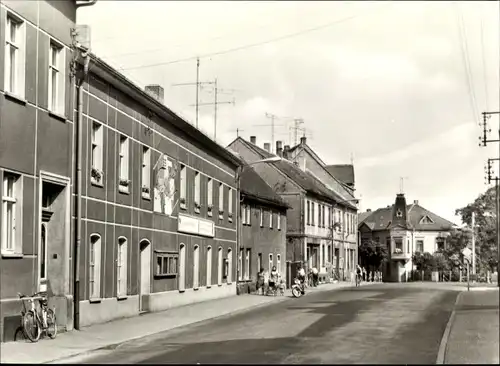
{"x":446,"y":335}
{"x":277,"y":299}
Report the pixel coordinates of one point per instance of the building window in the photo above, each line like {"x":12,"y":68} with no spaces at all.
{"x":209,"y":267}
{"x":197,"y":193}
{"x":220,"y":268}
{"x":221,"y":201}
{"x":124,"y":163}
{"x":95,"y":267}
{"x":312,"y":213}
{"x":230,"y":205}
{"x":247,"y":264}
{"x":270,"y":262}
{"x":278,"y":218}
{"x":11,"y":214}
{"x":146,"y":172}
{"x":166,"y":264}
{"x":56,"y":83}
{"x":196,"y":267}
{"x":210,"y":196}
{"x":43,"y":252}
{"x":278,"y":262}
{"x":308,"y":213}
{"x":440,"y":243}
{"x":259,"y":262}
{"x":229,"y":273}
{"x":15,"y":56}
{"x":319,"y":215}
{"x":398,"y":245}
{"x":420,"y":246}
{"x":240,"y":264}
{"x":261,"y":215}
{"x":97,"y":174}
{"x":121,"y":268}
{"x":270,"y":219}
{"x":330,"y":218}
{"x":182,"y":267}
{"x":183,"y":183}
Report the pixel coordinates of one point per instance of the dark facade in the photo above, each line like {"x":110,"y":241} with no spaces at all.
{"x":36,"y":129}
{"x":262,"y":231}
{"x":148,"y":206}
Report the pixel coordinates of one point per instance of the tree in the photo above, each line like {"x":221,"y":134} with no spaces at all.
{"x":372,"y":254}
{"x":485,"y":220}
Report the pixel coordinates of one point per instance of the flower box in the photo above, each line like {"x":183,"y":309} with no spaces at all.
{"x":182,"y":203}
{"x":210,"y":209}
{"x":124,"y":182}
{"x":145,"y":190}
{"x":197,"y":207}
{"x":96,"y":175}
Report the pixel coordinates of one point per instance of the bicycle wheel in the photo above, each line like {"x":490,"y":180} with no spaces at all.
{"x":31,"y":327}
{"x":51,"y":324}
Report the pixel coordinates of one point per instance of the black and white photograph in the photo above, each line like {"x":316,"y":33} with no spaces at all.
{"x":249,"y":182}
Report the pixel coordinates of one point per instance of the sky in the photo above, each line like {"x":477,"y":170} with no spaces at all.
{"x":397,"y":88}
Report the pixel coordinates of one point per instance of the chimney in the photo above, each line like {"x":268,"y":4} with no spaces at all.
{"x":253,"y":140}
{"x":415,"y":202}
{"x":267,"y":146}
{"x":279,"y":149}
{"x":286,"y":149}
{"x":369,"y":210}
{"x":303,"y":140}
{"x":156,"y":91}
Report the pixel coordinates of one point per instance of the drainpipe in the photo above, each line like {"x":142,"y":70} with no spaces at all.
{"x":78,"y":229}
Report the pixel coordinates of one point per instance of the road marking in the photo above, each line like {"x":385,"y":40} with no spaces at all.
{"x":446,"y":335}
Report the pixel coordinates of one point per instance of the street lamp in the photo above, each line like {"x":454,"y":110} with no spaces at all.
{"x":240,"y":169}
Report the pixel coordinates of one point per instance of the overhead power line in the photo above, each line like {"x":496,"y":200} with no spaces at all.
{"x":240,"y":48}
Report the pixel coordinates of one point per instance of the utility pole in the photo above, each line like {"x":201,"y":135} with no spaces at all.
{"x":215,"y":104}
{"x":483,"y":142}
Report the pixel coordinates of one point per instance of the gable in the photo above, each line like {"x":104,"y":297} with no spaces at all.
{"x":426,"y":220}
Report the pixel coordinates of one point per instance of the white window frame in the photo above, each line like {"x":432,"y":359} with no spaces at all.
{"x":146,"y":173}
{"x":270,"y":262}
{"x":197,"y":192}
{"x":240,"y":264}
{"x":230,"y":205}
{"x":229,"y":279}
{"x":270,"y":219}
{"x":417,"y":245}
{"x":16,"y":87}
{"x":96,"y":132}
{"x":220,"y":266}
{"x":12,"y":244}
{"x":183,"y":188}
{"x":248,"y":253}
{"x":124,"y":163}
{"x":261,"y":210}
{"x":278,"y":263}
{"x":210,"y":197}
{"x":308,"y":212}
{"x":42,"y":255}
{"x":57,"y":70}
{"x":121,"y":267}
{"x":313,"y":221}
{"x":278,"y":224}
{"x":249,"y":215}
{"x":196,"y":267}
{"x":95,"y":267}
{"x":221,"y":201}
{"x":209,"y":266}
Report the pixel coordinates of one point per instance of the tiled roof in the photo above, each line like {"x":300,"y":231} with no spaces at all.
{"x":253,"y":186}
{"x":381,"y":218}
{"x":343,"y":172}
{"x":304,"y":179}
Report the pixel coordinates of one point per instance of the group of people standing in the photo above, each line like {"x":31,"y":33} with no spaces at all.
{"x":269,"y":280}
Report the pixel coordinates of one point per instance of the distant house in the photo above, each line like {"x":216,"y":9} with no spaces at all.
{"x":404,"y":230}
{"x":263,"y":229}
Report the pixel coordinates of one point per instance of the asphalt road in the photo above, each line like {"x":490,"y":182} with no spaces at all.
{"x":372,"y":324}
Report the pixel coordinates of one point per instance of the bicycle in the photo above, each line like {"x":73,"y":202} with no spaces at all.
{"x":358,"y":279}
{"x":32,"y":322}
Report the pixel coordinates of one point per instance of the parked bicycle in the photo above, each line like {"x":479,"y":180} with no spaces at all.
{"x":35,"y":320}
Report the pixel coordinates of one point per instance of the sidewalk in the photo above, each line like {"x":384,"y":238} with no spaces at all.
{"x":472,"y":335}
{"x":98,"y":336}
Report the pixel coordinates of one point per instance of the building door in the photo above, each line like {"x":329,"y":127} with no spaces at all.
{"x":315,"y":257}
{"x":182,"y":267}
{"x":145,"y":273}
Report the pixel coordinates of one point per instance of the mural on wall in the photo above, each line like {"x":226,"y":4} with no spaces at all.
{"x":165,"y":172}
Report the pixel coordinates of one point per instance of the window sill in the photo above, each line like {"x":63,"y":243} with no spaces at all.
{"x":12,"y":255}
{"x":196,"y":288}
{"x":209,"y":286}
{"x":146,"y":196}
{"x":96,"y":183}
{"x":197,"y":210}
{"x":165,"y":275}
{"x":121,"y":298}
{"x":95,"y":301}
{"x":57,"y":115}
{"x":182,"y":291}
{"x":221,"y":217}
{"x":15,"y":98}
{"x":123,"y":189}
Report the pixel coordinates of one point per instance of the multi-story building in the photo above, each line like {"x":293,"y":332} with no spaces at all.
{"x":310,"y":222}
{"x":262,"y":230}
{"x":36,"y":129}
{"x":404,"y":230}
{"x":158,"y":199}
{"x":344,"y":209}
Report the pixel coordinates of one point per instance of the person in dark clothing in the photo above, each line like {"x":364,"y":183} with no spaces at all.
{"x":260,"y":281}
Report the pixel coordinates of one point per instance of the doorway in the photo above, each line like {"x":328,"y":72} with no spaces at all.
{"x":145,"y":273}
{"x":182,"y":267}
